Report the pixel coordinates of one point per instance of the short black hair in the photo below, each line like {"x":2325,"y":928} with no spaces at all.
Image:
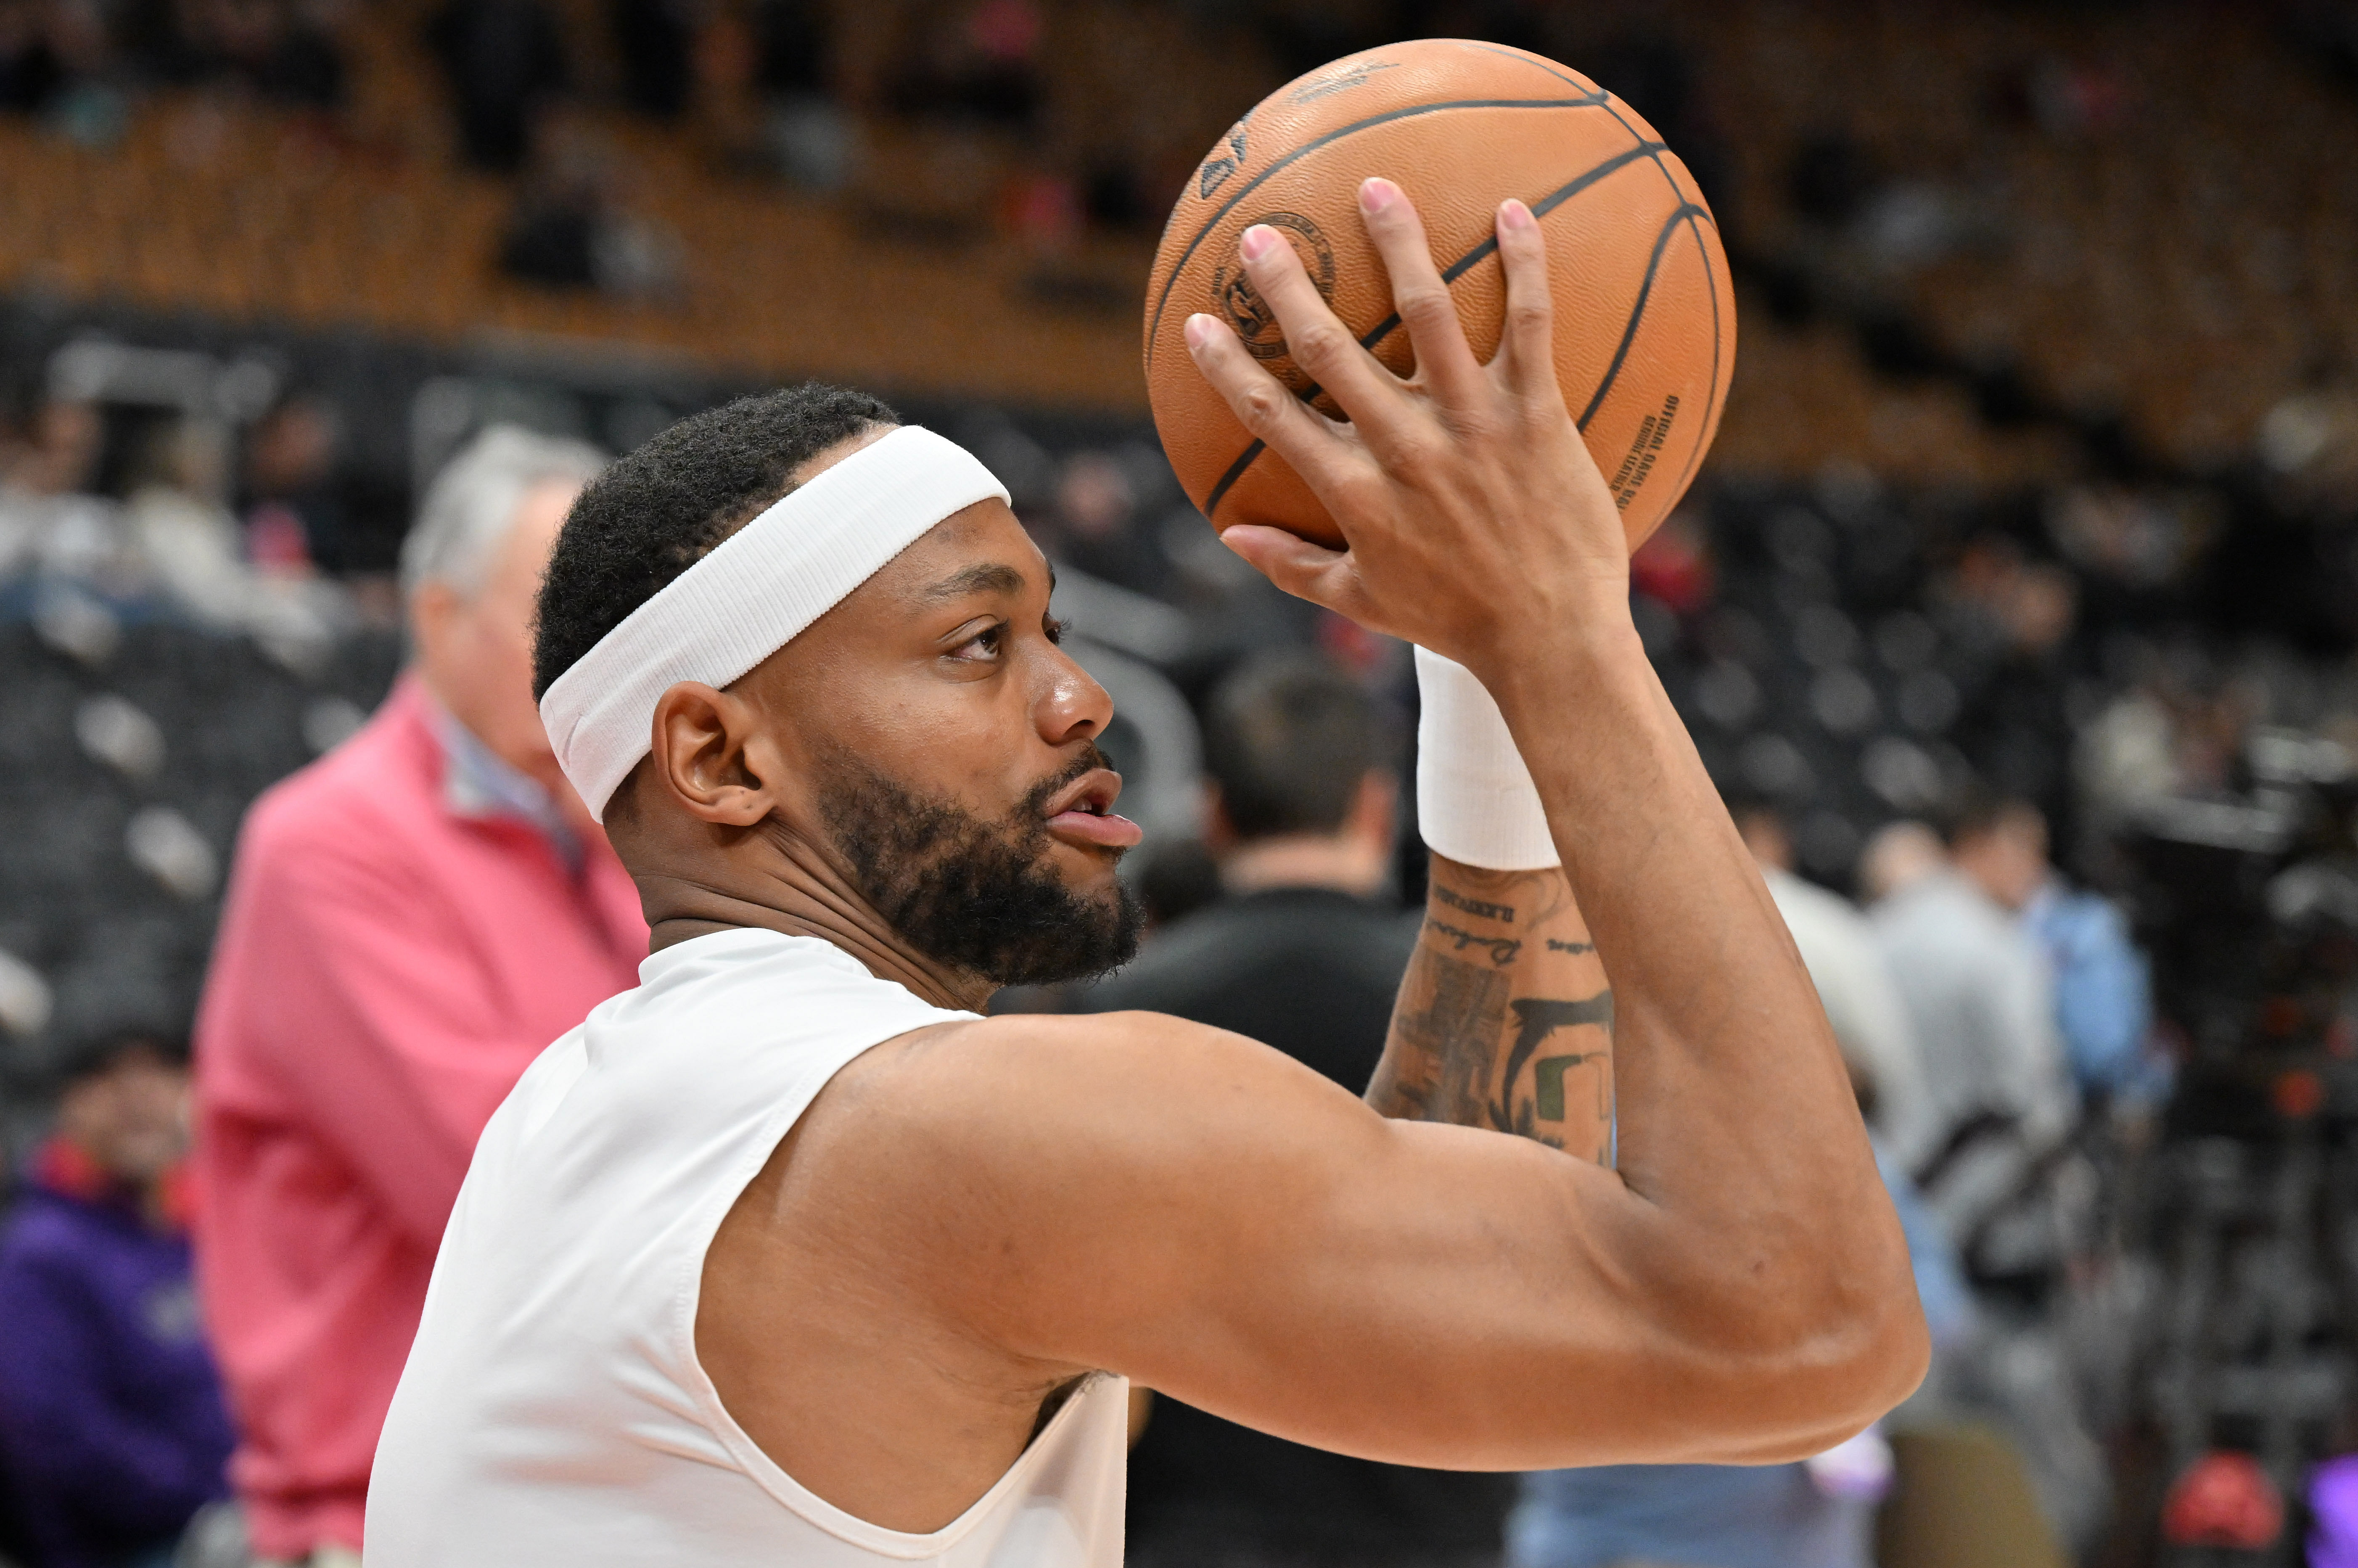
{"x":662,"y":508}
{"x":1288,"y":738}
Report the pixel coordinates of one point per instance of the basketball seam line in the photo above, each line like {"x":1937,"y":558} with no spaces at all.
{"x":1711,"y":404}
{"x":1637,"y":314}
{"x":1658,"y":147}
{"x":1594,"y":99}
{"x":1711,"y":289}
{"x":1539,"y":209}
{"x":1459,"y":269}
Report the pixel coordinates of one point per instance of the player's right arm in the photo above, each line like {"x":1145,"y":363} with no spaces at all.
{"x":1138,"y":1194}
{"x":1476,"y":526}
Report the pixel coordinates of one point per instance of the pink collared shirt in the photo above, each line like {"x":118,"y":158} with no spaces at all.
{"x":387,"y":966}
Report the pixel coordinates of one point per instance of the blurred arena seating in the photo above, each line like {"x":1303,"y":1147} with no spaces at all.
{"x":2039,"y":475}
{"x":2140,"y":212}
{"x":2134,"y":226}
{"x":128,"y":753}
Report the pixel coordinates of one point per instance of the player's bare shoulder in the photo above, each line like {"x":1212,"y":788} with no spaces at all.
{"x":990,"y":1157}
{"x":990,"y":1089}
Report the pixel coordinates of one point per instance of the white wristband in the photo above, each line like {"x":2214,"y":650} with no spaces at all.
{"x":1475,"y":800}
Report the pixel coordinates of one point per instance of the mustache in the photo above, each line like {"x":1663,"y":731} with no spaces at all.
{"x":1037,"y":799}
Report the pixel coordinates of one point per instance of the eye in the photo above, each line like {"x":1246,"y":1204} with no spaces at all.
{"x":1054,"y":628}
{"x":984,"y":645}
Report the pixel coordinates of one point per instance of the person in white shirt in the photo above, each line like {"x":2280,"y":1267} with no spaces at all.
{"x":790,"y":1257}
{"x":1854,"y":980}
{"x":1982,"y":1000}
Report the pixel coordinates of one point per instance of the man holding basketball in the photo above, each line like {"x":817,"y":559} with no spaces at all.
{"x":787,"y":1256}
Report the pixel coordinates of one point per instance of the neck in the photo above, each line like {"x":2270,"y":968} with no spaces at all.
{"x":793,"y":891}
{"x":1314,"y":860}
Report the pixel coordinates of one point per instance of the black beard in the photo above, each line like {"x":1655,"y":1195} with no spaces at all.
{"x":971,"y":893}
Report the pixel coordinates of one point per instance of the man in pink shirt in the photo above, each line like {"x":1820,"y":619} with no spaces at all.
{"x":411,"y":919}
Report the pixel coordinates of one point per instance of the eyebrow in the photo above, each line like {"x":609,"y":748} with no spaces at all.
{"x":984,"y":576}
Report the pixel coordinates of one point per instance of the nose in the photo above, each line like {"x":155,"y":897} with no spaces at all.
{"x":1071,"y":706}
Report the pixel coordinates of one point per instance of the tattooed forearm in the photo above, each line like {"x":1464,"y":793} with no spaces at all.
{"x":1511,"y":1033}
{"x":1502,"y":912}
{"x":1502,"y":949}
{"x":1537,"y":1018}
{"x":1427,"y":1074}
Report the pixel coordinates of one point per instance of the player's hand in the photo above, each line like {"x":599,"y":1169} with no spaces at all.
{"x":1471,"y":512}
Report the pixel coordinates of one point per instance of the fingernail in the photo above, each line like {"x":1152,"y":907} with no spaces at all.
{"x":1258,"y":241}
{"x":1374,"y":195}
{"x":1513,"y":215}
{"x":1199,"y":330}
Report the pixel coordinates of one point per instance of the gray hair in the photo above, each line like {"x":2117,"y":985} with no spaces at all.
{"x":471,"y":503}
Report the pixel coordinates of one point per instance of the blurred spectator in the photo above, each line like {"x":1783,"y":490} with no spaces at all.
{"x":811,"y":140}
{"x":273,"y":48}
{"x":110,"y":1408}
{"x":30,"y":71}
{"x":49,"y":524}
{"x":653,"y":40}
{"x":1674,"y":567}
{"x":411,"y":919}
{"x":294,"y":518}
{"x":2104,"y":996}
{"x":60,"y":60}
{"x":1305,"y":955}
{"x":179,"y":525}
{"x":570,"y":229}
{"x":1095,"y":525}
{"x":1898,"y":856}
{"x":2014,"y":621}
{"x":1176,"y":878}
{"x":504,"y":60}
{"x":1982,"y":1002}
{"x":973,"y":58}
{"x":1846,"y":965}
{"x":2003,"y":1177}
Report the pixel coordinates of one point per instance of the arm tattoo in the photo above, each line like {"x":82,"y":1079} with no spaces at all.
{"x":1504,"y":913}
{"x":1502,"y":948}
{"x":1536,"y":1018}
{"x":1479,"y":1037}
{"x":1445,"y":1005}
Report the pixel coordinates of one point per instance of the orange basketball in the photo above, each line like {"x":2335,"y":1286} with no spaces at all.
{"x":1645,"y":322}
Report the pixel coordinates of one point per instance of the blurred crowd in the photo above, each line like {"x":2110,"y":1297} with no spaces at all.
{"x":2060,"y":234}
{"x":1922,"y":703}
{"x":1952,"y":719}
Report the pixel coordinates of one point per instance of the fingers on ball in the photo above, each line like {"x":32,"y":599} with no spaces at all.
{"x":1261,"y":403}
{"x":1419,"y":293}
{"x":1527,"y":345}
{"x":1317,"y":341}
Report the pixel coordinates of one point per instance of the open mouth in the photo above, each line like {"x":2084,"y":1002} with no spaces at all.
{"x":1082,"y":812}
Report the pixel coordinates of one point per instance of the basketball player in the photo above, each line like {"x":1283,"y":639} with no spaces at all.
{"x":788,"y":1257}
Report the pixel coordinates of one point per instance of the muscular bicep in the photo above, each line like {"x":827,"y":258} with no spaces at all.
{"x":1191,"y":1209}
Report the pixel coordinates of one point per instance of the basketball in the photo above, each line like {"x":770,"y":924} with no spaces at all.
{"x":1645,"y":319}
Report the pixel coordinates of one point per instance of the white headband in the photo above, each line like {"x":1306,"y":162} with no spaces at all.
{"x":753,"y":594}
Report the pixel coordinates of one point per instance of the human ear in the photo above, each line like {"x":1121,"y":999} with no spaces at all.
{"x":711,"y":756}
{"x":432,"y":607}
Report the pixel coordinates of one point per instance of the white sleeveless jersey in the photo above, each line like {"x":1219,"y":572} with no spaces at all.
{"x":553,"y":1410}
